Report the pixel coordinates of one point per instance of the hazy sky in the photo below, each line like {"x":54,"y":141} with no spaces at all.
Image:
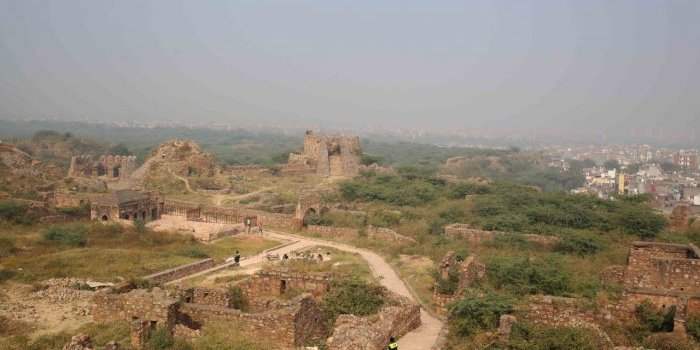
{"x":582,"y":65}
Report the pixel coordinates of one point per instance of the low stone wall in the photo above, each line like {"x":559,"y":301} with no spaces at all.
{"x":265,"y":284}
{"x":206,"y":296}
{"x":561,"y":312}
{"x":154,"y":306}
{"x":269,"y":219}
{"x":181,"y":271}
{"x":347,"y":233}
{"x":476,"y":236}
{"x":334,"y":232}
{"x":297,"y":323}
{"x":372,"y":332}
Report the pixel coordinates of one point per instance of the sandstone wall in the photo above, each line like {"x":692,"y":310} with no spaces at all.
{"x":139,"y":304}
{"x":347,"y":233}
{"x":181,"y":271}
{"x":296,"y":324}
{"x":476,"y":236}
{"x":372,"y":332}
{"x":671,"y":267}
{"x":265,"y":284}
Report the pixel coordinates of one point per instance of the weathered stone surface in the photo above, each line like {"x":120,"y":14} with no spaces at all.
{"x":327,"y":155}
{"x":372,"y":332}
{"x":79,"y":342}
{"x":505,"y":325}
{"x":476,"y":236}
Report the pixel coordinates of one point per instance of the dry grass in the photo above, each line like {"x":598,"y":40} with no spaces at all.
{"x":113,"y":252}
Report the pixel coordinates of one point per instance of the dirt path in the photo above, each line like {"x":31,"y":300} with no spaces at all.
{"x":421,"y":338}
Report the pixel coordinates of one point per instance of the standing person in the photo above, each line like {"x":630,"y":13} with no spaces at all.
{"x":392,"y":344}
{"x":247,"y":224}
{"x":237,"y":258}
{"x":260,"y":225}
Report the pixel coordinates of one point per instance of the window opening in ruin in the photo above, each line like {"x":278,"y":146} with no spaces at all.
{"x":188,"y":299}
{"x":126,"y":216}
{"x":104,"y":218}
{"x":154,"y":324}
{"x":115,"y":172}
{"x":283,"y":286}
{"x":143,"y":215}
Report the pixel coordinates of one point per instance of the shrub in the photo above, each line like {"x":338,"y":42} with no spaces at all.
{"x":352,"y":296}
{"x":71,"y":235}
{"x":531,"y":337}
{"x":476,"y":313}
{"x":578,"y":245}
{"x":160,"y":339}
{"x":6,"y":275}
{"x":140,"y":226}
{"x":193,"y":252}
{"x":16,"y":213}
{"x":693,"y":327}
{"x":653,"y":319}
{"x":525,"y":276}
{"x":7,"y":247}
{"x":447,"y":285}
{"x":462,"y":190}
{"x":667,"y":341}
{"x":236,"y":298}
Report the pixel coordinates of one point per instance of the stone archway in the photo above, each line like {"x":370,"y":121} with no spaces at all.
{"x":311,"y":217}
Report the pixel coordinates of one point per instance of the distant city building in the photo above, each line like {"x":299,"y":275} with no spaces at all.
{"x":686,"y":160}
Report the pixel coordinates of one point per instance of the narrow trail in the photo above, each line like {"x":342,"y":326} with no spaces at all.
{"x":422,"y":338}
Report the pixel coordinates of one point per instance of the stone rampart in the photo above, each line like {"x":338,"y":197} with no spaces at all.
{"x":347,"y":233}
{"x":476,"y":236}
{"x":181,"y":271}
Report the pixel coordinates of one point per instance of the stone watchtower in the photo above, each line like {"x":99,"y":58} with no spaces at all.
{"x":331,"y":155}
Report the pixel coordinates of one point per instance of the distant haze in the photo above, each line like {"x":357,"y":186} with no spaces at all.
{"x":603,"y":69}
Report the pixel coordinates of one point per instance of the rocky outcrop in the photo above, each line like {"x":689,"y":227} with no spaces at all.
{"x":397,"y":318}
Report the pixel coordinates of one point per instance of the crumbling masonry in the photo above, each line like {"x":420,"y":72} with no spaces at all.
{"x":107,"y":166}
{"x":327,"y":155}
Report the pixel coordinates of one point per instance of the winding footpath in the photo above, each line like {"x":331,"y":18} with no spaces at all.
{"x":422,"y":338}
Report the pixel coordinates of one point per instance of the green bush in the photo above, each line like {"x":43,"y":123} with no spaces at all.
{"x":653,"y":319}
{"x":7,"y":247}
{"x":6,"y":275}
{"x":523,"y":276}
{"x":16,"y":213}
{"x":237,"y":299}
{"x":352,"y":296}
{"x":193,"y":252}
{"x":462,"y":190}
{"x":71,"y":235}
{"x":667,"y":341}
{"x":578,"y":245}
{"x":480,"y":312}
{"x":140,"y":226}
{"x":693,"y":327}
{"x":447,"y":285}
{"x":532,"y":337}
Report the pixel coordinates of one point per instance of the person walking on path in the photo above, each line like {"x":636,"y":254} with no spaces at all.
{"x":392,"y":344}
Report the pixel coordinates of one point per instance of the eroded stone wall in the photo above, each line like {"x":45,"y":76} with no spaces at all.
{"x":181,"y":271}
{"x":476,"y":236}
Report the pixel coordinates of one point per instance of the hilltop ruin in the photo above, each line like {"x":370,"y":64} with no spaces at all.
{"x":327,"y":155}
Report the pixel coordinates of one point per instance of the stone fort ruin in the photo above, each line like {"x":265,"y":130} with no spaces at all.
{"x":107,"y":166}
{"x":327,"y":155}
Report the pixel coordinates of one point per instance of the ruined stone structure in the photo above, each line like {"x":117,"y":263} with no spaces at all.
{"x":127,"y":205}
{"x":468,"y":271}
{"x":476,"y":236}
{"x":679,"y":218}
{"x":181,"y":271}
{"x":665,"y":274}
{"x":398,"y":317}
{"x":266,"y":286}
{"x":348,"y":233}
{"x":107,"y":166}
{"x":145,"y":310}
{"x":289,"y":324}
{"x":327,"y":155}
{"x":184,"y":158}
{"x":220,"y":215}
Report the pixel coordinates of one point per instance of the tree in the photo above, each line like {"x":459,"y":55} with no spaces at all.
{"x":120,"y":150}
{"x":611,"y":164}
